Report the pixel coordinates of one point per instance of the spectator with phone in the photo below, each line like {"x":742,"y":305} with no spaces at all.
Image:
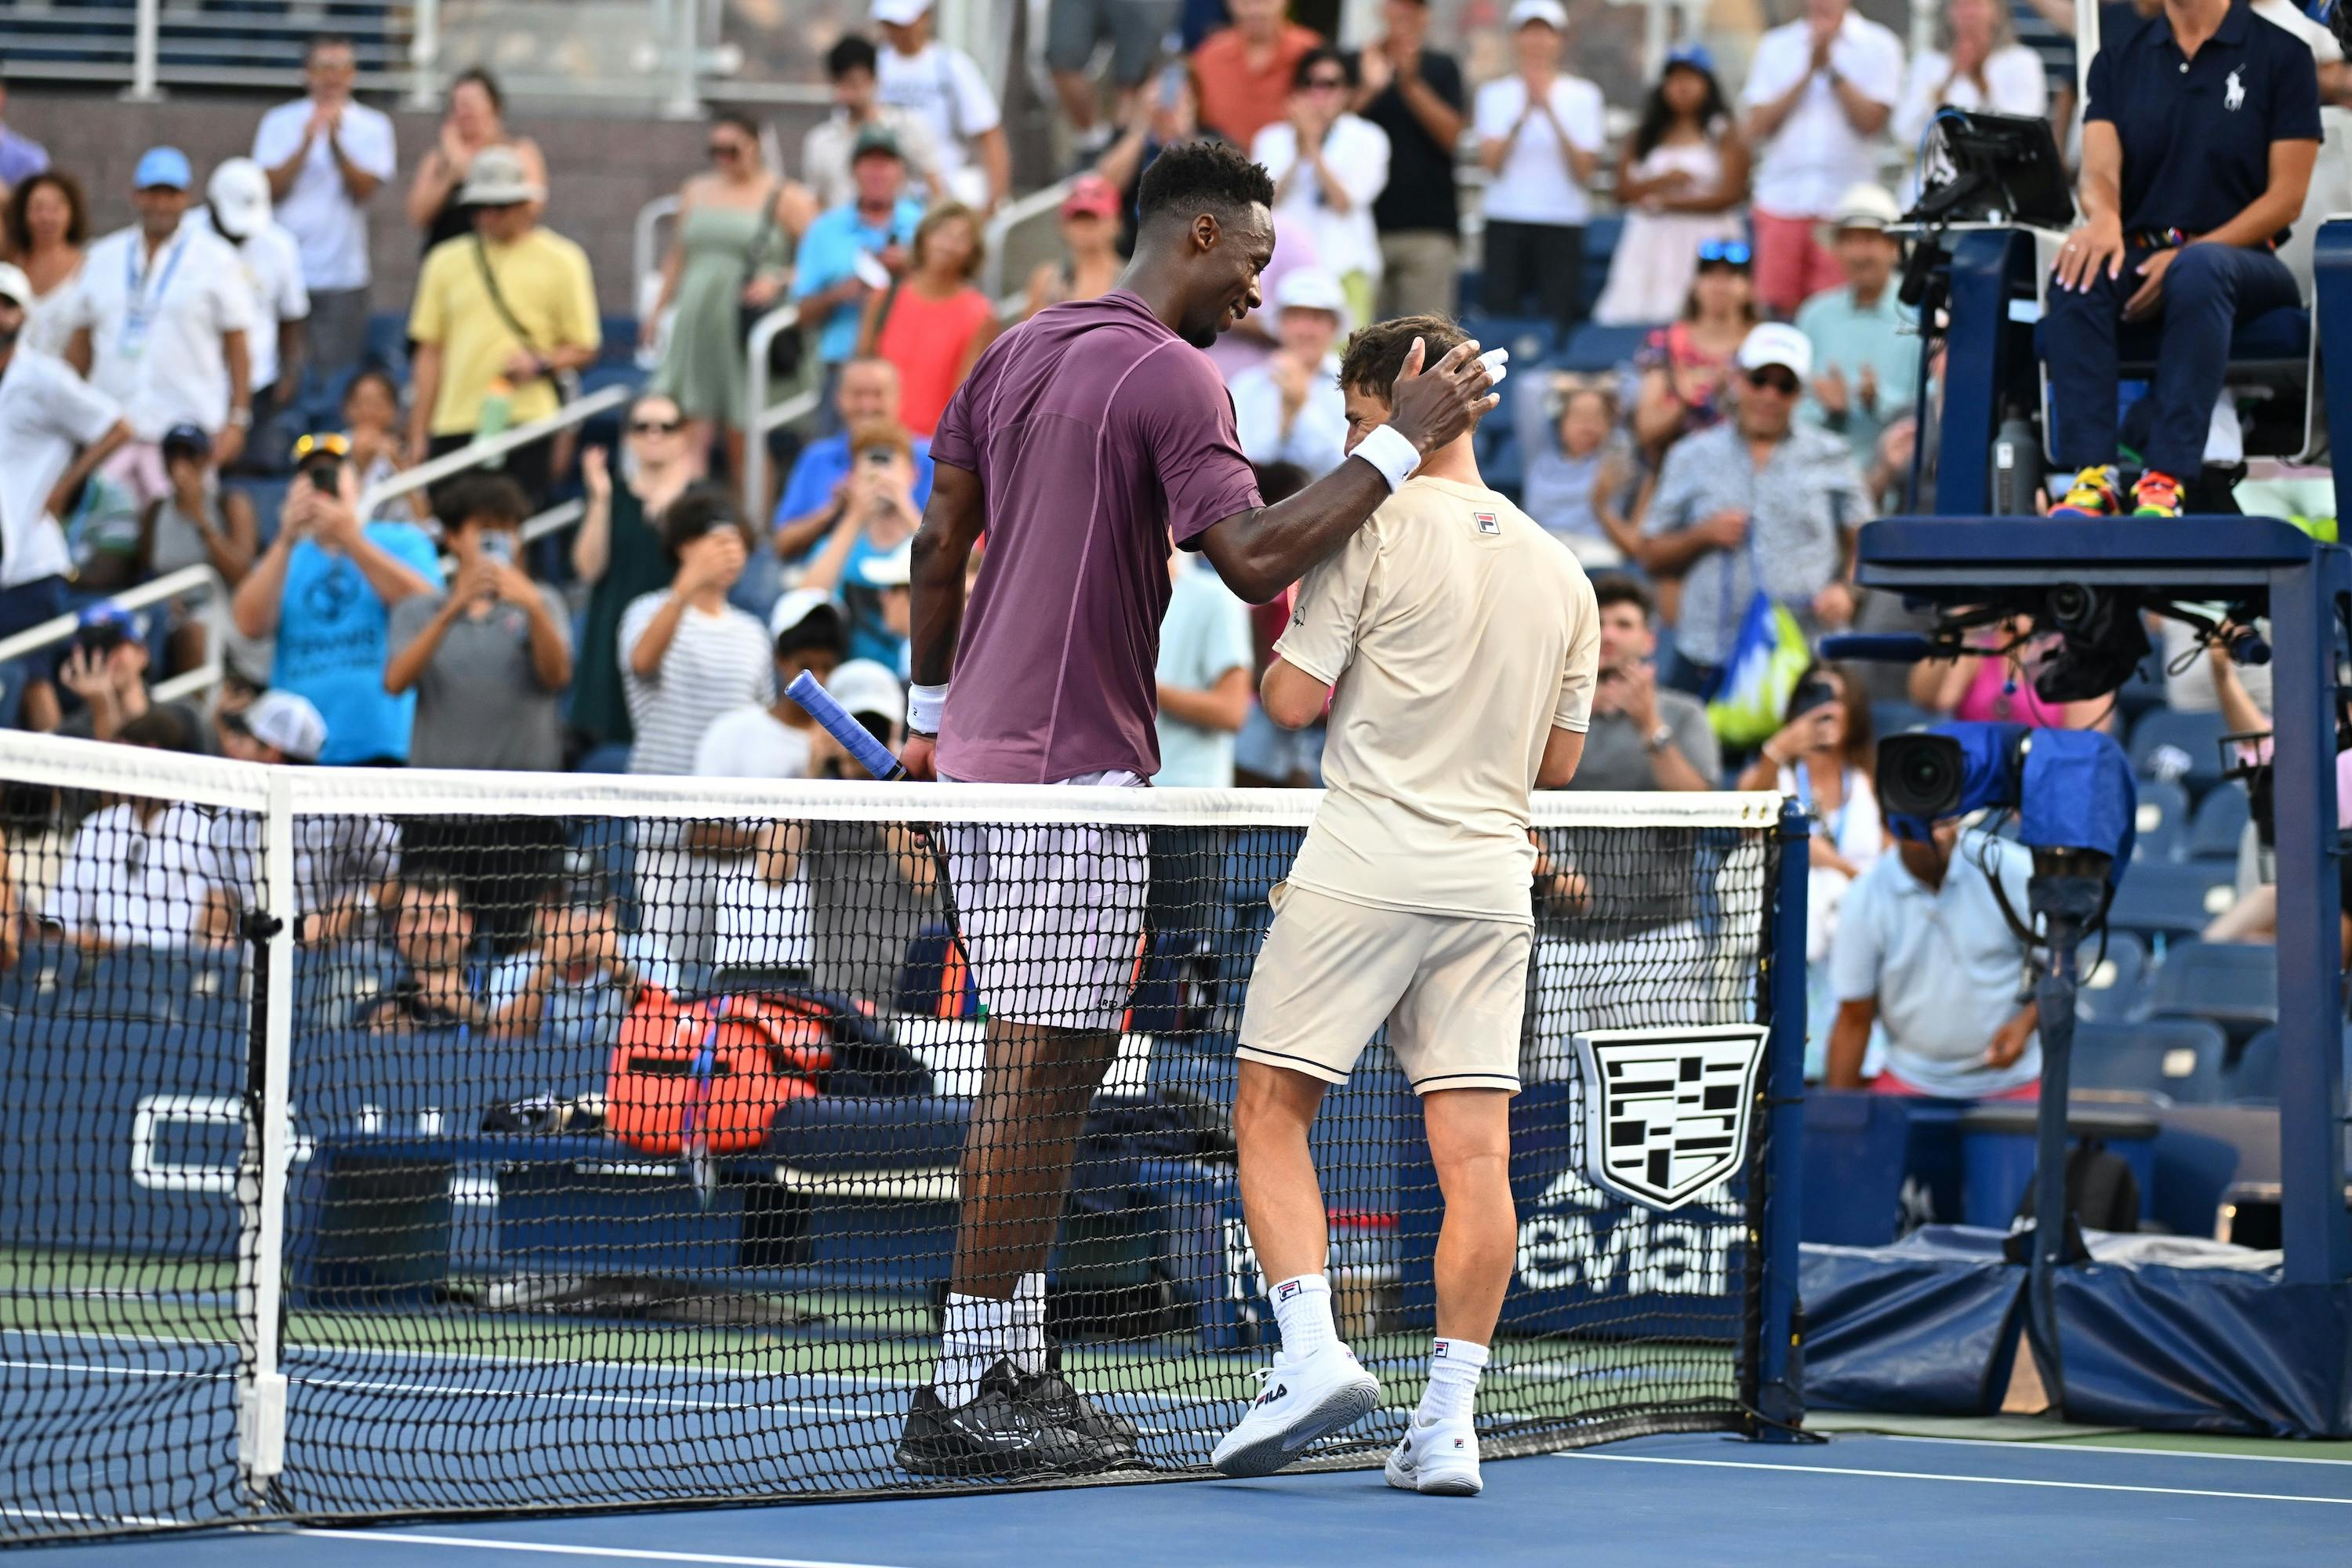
{"x":1825,"y":757}
{"x":584,"y":973}
{"x":504,"y":317}
{"x":1645,"y":736}
{"x":821,"y":481}
{"x":854,"y":251}
{"x":489,"y":659}
{"x":876,"y":526}
{"x":324,"y":591}
{"x":688,"y":657}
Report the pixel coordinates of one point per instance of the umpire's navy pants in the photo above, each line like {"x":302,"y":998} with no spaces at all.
{"x":2208,"y":289}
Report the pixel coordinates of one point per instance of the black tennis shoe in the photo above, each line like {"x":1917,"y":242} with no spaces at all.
{"x":1057,"y":1404}
{"x":998,"y":1434}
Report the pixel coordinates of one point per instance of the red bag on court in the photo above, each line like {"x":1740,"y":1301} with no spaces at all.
{"x":711,"y":1074}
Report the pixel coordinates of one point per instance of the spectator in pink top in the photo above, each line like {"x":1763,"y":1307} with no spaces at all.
{"x":1996,"y":685}
{"x":1084,"y":441}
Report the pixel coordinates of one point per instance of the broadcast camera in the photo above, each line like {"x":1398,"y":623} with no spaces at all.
{"x":2072,"y":789}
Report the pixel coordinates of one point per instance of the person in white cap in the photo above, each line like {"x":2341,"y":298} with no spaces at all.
{"x":1290,"y":409}
{"x":236,"y":208}
{"x":327,"y":156}
{"x":874,"y":880}
{"x":55,"y":430}
{"x":945,"y":89}
{"x":274,"y":727}
{"x":1760,"y":502}
{"x":1820,"y":93}
{"x":1540,"y":139}
{"x":1866,"y":340}
{"x":778,"y":740}
{"x":501,"y":314}
{"x":1329,"y":166}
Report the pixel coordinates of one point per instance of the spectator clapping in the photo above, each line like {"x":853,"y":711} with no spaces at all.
{"x":1682,"y":180}
{"x":1290,"y":409}
{"x":1414,"y":94}
{"x":1539,"y":136}
{"x":1329,"y":167}
{"x":475,"y":120}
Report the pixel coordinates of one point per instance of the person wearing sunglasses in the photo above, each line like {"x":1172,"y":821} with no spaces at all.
{"x":1685,"y":364}
{"x":738,"y":222}
{"x":618,"y":554}
{"x":1681,"y":179}
{"x":1329,"y":166}
{"x":1757,"y":504}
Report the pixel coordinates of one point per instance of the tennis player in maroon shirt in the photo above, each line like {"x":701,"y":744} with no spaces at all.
{"x":1081,"y":442}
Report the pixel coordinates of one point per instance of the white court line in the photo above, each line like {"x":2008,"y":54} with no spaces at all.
{"x":117,"y":1371}
{"x":633,"y":1554}
{"x":1961,"y":1481}
{"x":2100,"y":1446}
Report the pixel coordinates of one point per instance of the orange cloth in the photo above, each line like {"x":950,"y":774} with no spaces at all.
{"x":926,"y":339}
{"x":1237,"y":102}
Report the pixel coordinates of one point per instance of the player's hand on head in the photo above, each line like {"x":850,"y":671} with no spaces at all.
{"x":1432,"y":405}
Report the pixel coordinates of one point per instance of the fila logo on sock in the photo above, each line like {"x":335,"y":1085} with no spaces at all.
{"x":1439,"y":1352}
{"x":1288,"y":1289}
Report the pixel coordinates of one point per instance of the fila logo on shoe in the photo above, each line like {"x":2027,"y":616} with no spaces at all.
{"x":1279,"y":1391}
{"x":1459,"y":1444}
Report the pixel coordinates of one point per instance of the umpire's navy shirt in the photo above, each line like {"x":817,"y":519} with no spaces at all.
{"x":2197,"y":133}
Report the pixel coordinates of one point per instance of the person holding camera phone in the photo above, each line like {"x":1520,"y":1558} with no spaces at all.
{"x":325,"y":590}
{"x":877,"y":521}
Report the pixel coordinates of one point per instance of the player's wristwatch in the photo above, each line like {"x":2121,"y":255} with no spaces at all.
{"x":1661,"y":738}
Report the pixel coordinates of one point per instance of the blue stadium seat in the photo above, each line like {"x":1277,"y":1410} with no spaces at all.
{"x":2173,"y":902}
{"x":1593,"y":347}
{"x":2196,"y":736}
{"x":2112,"y":988}
{"x":1600,"y":236}
{"x":2144,"y":690}
{"x":2233,"y":985}
{"x":2253,"y":1076}
{"x":2220,"y":823}
{"x":619,"y":344}
{"x":42,"y":971}
{"x":2178,"y":1059}
{"x":2162,"y":820}
{"x":386,"y":345}
{"x":268,"y":498}
{"x":1530,"y":338}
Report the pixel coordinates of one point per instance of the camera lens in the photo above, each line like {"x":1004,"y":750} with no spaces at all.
{"x":1921,"y":776}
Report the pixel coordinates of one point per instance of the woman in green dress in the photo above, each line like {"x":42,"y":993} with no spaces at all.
{"x":732,"y":246}
{"x":618,"y":554}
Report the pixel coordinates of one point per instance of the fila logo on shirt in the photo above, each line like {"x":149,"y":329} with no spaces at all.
{"x":1487,"y":522}
{"x":2233,"y":89}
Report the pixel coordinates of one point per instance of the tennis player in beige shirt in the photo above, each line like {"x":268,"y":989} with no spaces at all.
{"x":1462,"y":643}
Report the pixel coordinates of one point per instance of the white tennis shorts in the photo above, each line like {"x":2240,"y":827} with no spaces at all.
{"x":1052,"y":916}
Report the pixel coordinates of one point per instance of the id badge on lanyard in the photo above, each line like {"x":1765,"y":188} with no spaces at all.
{"x":140,"y":312}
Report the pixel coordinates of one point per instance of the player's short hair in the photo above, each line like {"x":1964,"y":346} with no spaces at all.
{"x":1618,"y":588}
{"x":1375,"y":355}
{"x":1207,"y":175}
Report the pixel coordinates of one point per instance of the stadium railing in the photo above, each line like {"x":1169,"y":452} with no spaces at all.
{"x":1016,"y":229}
{"x":199,"y":587}
{"x":477,"y":452}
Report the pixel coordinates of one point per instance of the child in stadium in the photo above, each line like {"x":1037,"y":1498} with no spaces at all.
{"x":1464,"y":643}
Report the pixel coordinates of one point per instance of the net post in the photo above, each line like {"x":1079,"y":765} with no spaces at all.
{"x":262,"y":1169}
{"x":1779,"y":1401}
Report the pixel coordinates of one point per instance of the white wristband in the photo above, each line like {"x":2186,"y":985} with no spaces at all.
{"x":1393,"y":456}
{"x":925,"y":706}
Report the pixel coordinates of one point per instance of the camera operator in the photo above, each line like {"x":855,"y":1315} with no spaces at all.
{"x":2199,"y":140}
{"x":325,"y":589}
{"x":1923,"y":948}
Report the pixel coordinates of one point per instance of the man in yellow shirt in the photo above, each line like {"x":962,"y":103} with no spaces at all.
{"x":1464,"y":643}
{"x":501,"y":314}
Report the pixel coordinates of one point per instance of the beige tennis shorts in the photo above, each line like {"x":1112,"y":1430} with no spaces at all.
{"x":1451,"y":988}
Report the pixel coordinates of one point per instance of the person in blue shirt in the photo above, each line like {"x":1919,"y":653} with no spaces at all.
{"x":2199,"y":139}
{"x":325,"y":588}
{"x":849,"y":248}
{"x":867,"y":393}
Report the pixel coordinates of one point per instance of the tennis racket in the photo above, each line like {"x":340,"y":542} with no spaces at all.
{"x":854,"y":738}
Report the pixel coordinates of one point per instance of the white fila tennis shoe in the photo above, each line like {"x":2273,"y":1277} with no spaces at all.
{"x":1439,"y":1458}
{"x":1300,"y":1401}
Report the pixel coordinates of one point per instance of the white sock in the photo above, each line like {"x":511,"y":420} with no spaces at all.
{"x":1302,"y":1310}
{"x":1028,"y":1345}
{"x":979,"y":1335}
{"x":1453,"y":1391}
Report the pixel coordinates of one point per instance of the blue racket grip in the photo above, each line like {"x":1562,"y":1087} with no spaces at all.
{"x":854,"y":738}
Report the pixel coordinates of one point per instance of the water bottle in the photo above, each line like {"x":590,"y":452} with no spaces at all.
{"x":2016,"y":468}
{"x":497,"y":413}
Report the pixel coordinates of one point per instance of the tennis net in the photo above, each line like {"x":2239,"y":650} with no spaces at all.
{"x":384,"y":1144}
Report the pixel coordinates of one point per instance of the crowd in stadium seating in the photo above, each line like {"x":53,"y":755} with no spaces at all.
{"x":1723,"y":387}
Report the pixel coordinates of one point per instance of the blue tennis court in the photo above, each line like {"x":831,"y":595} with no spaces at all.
{"x":1679,"y":1499}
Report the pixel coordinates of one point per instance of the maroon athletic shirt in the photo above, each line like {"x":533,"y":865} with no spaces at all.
{"x":1097,"y":433}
